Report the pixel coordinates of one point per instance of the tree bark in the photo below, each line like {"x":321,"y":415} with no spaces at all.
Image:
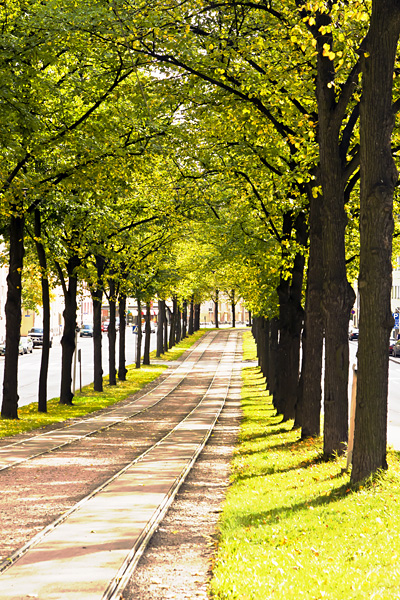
{"x":264,"y":347}
{"x":216,"y":317}
{"x":69,"y":334}
{"x":184,"y":320}
{"x":112,"y":336}
{"x":338,"y":294}
{"x":44,"y":363}
{"x":196,"y":317}
{"x":160,"y":328}
{"x":308,"y":411}
{"x":139,"y":333}
{"x":233,"y":306}
{"x":290,"y":325}
{"x":378,"y":180}
{"x":147,"y":334}
{"x":273,"y":357}
{"x":97,"y":297}
{"x":191,"y":316}
{"x":165,"y":330}
{"x":122,"y":370}
{"x":256,"y":330}
{"x":9,"y":408}
{"x":172,"y":328}
{"x":178,"y":325}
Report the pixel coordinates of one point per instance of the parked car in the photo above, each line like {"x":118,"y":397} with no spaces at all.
{"x":392,"y":342}
{"x":104,"y":325}
{"x":26,"y":343}
{"x":86,"y":331}
{"x":353,"y":334}
{"x":396,"y":348}
{"x":36,"y":334}
{"x":3,"y":348}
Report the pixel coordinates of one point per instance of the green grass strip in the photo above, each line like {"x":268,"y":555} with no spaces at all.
{"x":89,"y":401}
{"x":292,"y":527}
{"x":84,"y":403}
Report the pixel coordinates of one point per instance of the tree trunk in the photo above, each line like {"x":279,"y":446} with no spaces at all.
{"x":256,"y":331}
{"x":139,"y":334}
{"x":97,"y":297}
{"x":165,"y":328}
{"x":68,"y":340}
{"x":122,"y":370}
{"x":308,"y":412}
{"x":112,"y":336}
{"x":44,"y":363}
{"x":290,"y":325}
{"x":178,"y":327}
{"x":196,"y":326}
{"x":233,"y":307}
{"x":216,"y":317}
{"x":191,"y":316}
{"x":184,"y":320}
{"x":273,"y":358}
{"x":264,"y":347}
{"x":160,"y":328}
{"x":9,"y":408}
{"x":338,"y":294}
{"x":146,"y":352}
{"x":172,"y":328}
{"x":378,"y":180}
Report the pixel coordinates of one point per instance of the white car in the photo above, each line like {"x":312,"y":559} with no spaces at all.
{"x":26,"y":344}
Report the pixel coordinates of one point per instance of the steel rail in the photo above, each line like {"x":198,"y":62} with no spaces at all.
{"x":125,"y":413}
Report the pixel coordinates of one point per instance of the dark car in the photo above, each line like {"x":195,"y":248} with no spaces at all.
{"x":36,"y":335}
{"x":396,"y":348}
{"x":353,"y":334}
{"x":392,"y":342}
{"x":86,"y":331}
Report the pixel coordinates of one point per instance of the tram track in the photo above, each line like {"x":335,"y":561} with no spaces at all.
{"x":217,"y":387}
{"x":41,"y":443}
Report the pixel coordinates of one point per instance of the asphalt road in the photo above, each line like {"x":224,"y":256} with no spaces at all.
{"x":29,"y":366}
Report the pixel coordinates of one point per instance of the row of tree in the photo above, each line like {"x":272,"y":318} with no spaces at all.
{"x":172,"y":148}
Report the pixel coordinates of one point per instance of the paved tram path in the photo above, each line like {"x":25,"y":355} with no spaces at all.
{"x":90,"y":546}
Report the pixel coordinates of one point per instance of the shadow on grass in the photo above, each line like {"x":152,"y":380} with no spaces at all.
{"x":305,"y":464}
{"x":281,"y":512}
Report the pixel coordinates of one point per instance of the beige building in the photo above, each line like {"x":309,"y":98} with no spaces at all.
{"x":224,"y":312}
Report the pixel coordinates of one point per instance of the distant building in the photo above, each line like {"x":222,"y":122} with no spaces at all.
{"x":207,"y":312}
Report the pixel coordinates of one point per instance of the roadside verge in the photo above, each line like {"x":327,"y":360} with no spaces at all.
{"x":293,"y":523}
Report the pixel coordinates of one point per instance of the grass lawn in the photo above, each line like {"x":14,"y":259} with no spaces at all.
{"x":292,"y":527}
{"x":89,"y":401}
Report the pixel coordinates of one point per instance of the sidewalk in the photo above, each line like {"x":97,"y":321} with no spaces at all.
{"x":91,"y":551}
